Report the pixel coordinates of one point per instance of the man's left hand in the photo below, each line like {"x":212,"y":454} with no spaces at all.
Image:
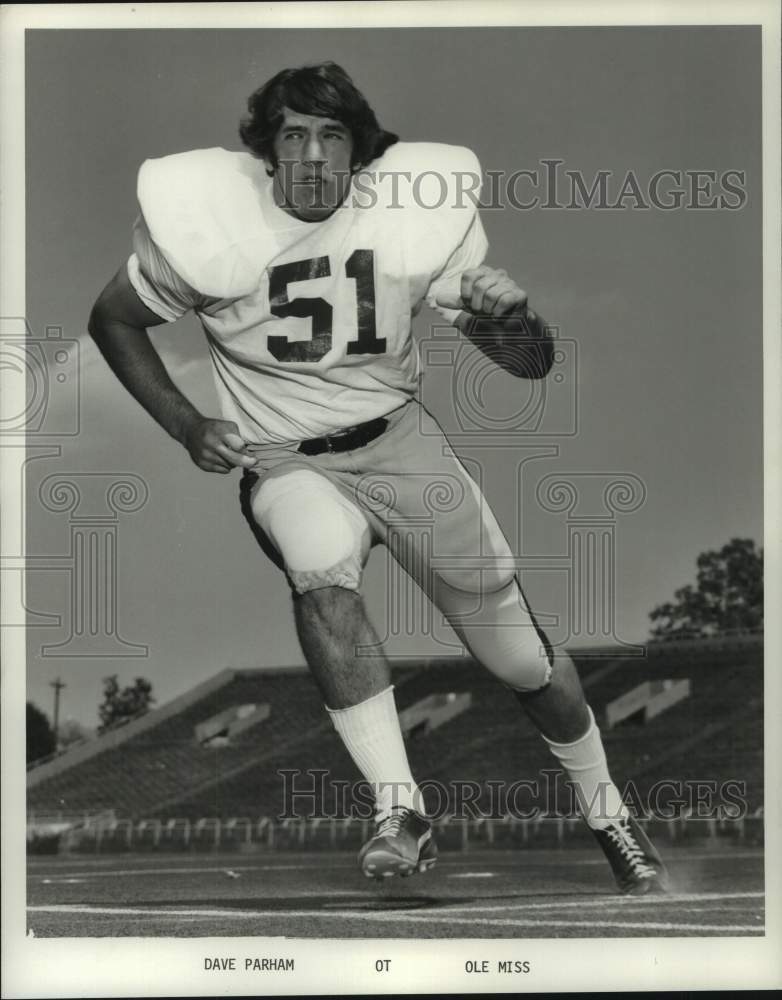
{"x":486,"y":291}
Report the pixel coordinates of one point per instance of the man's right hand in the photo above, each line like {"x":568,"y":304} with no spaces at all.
{"x":118,"y":324}
{"x":216,"y":446}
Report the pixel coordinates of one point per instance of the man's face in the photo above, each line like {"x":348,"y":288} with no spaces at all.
{"x":312,"y":176}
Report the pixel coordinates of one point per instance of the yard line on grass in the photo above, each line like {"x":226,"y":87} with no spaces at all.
{"x":607,"y":900}
{"x":204,"y":914}
{"x":36,"y":871}
{"x":473,"y":875}
{"x":524,"y":856}
{"x":124,"y":872}
{"x":441,"y":915}
{"x":406,"y":917}
{"x":672,"y":859}
{"x":444,"y":918}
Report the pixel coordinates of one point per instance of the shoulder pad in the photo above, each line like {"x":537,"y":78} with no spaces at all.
{"x":430,"y":172}
{"x":418,"y":157}
{"x":437,"y":187}
{"x":203,"y":210}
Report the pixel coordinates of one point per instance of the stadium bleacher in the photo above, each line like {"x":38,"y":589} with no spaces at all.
{"x":159,"y":770}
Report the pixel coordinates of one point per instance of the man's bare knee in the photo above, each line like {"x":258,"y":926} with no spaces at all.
{"x":343,"y":575}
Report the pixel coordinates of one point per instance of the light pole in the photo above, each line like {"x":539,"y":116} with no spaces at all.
{"x":58,"y":685}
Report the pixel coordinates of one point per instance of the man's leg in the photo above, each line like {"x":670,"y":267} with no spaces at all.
{"x":504,"y":637}
{"x":449,"y":561}
{"x":559,"y":710}
{"x":637,"y":866}
{"x":566,"y":723}
{"x":333,"y":627}
{"x":323,"y":541}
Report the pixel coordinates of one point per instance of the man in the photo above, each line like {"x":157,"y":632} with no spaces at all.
{"x":305,"y":266}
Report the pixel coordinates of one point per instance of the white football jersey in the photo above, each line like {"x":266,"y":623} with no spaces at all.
{"x":308,"y":324}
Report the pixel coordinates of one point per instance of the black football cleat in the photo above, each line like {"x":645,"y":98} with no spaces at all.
{"x":402,"y":844}
{"x":637,"y":867}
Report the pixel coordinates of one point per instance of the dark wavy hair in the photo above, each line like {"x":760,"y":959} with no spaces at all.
{"x":324,"y":90}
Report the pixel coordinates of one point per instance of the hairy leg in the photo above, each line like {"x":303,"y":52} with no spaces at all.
{"x":323,"y":540}
{"x":332,"y":625}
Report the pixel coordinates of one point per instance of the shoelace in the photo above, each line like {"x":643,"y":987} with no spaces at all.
{"x":630,"y":849}
{"x":391,"y":824}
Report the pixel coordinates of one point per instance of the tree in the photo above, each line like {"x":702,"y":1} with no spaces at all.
{"x":728,"y":595}
{"x":40,"y":735}
{"x":120,"y":706}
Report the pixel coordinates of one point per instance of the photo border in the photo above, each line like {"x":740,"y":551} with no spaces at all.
{"x":174,"y":967}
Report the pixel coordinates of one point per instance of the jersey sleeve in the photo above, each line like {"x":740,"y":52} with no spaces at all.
{"x":470,"y":253}
{"x":156,"y":283}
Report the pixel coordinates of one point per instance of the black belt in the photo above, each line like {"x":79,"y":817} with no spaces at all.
{"x":347,"y":440}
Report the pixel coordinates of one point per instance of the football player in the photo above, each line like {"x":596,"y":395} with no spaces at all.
{"x":305,"y":260}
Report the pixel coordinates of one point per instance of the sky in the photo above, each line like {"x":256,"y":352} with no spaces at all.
{"x":659,"y":315}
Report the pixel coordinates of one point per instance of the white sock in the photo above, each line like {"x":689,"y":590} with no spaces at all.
{"x":586,"y":766}
{"x":373,"y":738}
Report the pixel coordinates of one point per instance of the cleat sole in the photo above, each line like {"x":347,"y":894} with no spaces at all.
{"x":388,"y":865}
{"x":406,"y":847}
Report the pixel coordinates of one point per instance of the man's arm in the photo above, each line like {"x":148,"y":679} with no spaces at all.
{"x":118,"y":325}
{"x":495,"y":316}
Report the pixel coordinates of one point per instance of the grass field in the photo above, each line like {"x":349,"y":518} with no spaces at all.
{"x":483,"y":894}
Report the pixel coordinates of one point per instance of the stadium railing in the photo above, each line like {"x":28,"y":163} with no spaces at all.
{"x":241,"y":833}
